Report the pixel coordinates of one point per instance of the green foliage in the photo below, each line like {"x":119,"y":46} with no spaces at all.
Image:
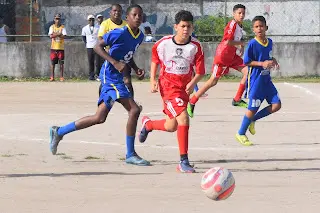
{"x":211,"y":28}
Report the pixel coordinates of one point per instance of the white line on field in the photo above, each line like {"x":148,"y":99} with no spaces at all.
{"x":303,"y":89}
{"x":166,"y":147}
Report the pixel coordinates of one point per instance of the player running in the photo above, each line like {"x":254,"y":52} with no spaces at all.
{"x":177,"y":55}
{"x":226,"y":57}
{"x":123,"y":42}
{"x":258,"y":56}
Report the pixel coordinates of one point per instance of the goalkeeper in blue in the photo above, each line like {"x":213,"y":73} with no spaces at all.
{"x":258,"y":58}
{"x":123,"y":42}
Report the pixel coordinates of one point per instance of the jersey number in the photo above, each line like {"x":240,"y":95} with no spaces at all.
{"x":255,"y":103}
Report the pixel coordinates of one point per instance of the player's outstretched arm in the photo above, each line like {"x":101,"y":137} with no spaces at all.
{"x":99,"y":49}
{"x":153,"y":78}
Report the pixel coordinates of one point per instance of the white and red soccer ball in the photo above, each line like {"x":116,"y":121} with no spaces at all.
{"x":218,"y":183}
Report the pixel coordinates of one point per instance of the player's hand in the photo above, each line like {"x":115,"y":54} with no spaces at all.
{"x":267,"y":64}
{"x":140,"y":73}
{"x":275,"y":64}
{"x":120,"y":66}
{"x":241,"y":51}
{"x":154,"y":86}
{"x":189,"y":88}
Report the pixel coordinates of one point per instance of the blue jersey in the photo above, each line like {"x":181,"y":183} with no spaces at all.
{"x":123,"y":43}
{"x":260,"y":86}
{"x":257,"y":51}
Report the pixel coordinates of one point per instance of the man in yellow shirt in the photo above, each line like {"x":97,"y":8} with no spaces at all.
{"x":113,"y":22}
{"x":57,"y":33}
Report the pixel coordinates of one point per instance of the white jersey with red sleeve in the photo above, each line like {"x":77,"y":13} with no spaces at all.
{"x":177,"y":61}
{"x":225,"y":53}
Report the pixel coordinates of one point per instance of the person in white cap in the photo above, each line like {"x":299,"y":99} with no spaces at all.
{"x":90,"y":38}
{"x":99,"y":18}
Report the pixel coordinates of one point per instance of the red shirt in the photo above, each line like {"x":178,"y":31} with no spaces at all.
{"x":177,"y":61}
{"x":233,"y":31}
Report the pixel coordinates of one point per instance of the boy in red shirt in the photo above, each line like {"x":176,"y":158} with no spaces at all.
{"x":177,"y":55}
{"x":227,"y":57}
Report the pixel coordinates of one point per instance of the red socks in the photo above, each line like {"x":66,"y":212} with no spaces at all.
{"x":240,"y":91}
{"x":156,"y":125}
{"x":194,"y":100}
{"x":183,"y":139}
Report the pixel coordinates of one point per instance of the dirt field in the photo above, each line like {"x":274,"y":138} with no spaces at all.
{"x":280,"y":174}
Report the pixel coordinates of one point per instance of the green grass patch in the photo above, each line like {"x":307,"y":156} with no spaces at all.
{"x":7,"y":156}
{"x":65,"y":157}
{"x":92,"y":158}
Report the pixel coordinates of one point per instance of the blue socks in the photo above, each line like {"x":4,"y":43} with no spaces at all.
{"x":67,"y":129}
{"x":261,"y":114}
{"x":244,"y":126}
{"x":130,"y":146}
{"x":196,"y":88}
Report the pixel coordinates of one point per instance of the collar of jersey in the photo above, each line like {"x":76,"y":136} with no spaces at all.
{"x":181,"y":44}
{"x":131,"y":32}
{"x":116,"y":23}
{"x":265,"y":45}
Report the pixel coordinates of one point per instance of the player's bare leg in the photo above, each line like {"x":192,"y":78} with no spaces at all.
{"x":237,"y":101}
{"x":57,"y":133}
{"x":128,"y":82}
{"x":207,"y":85}
{"x":52,"y":72}
{"x":61,"y":70}
{"x":134,"y":111}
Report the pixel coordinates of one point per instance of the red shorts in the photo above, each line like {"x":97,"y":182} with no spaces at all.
{"x":175,"y":100}
{"x":221,"y":68}
{"x":57,"y":55}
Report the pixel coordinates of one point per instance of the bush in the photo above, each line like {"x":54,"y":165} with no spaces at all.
{"x":211,"y":28}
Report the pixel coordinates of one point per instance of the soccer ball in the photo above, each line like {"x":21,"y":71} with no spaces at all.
{"x":218,"y":183}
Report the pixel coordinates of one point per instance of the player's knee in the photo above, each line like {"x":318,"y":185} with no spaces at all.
{"x":134,"y":111}
{"x":172,"y":127}
{"x":212,"y":82}
{"x":276,"y":107}
{"x":61,"y":62}
{"x":99,"y":119}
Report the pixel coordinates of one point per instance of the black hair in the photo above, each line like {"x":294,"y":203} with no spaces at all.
{"x":183,"y":15}
{"x":259,"y":18}
{"x":116,"y":5}
{"x":133,"y":6}
{"x":238,"y":6}
{"x":147,"y":30}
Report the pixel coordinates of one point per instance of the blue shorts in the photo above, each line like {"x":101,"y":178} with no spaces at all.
{"x":113,"y":92}
{"x":258,"y":93}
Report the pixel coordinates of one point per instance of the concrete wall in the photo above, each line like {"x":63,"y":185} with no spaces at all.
{"x":285,"y":17}
{"x":32,"y":59}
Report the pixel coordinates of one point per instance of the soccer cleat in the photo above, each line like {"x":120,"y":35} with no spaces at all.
{"x":243,"y":139}
{"x":144,"y":132}
{"x":190,"y":109}
{"x":240,"y":103}
{"x":54,"y":139}
{"x":185,"y":167}
{"x":51,"y":78}
{"x":252,"y":130}
{"x":61,"y":79}
{"x":137,"y":160}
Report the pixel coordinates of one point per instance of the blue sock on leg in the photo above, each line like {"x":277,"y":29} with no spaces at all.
{"x":67,"y":129}
{"x":261,"y":114}
{"x":196,"y":88}
{"x":244,"y":126}
{"x":130,"y":146}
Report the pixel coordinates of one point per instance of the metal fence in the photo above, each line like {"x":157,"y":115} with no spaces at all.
{"x":293,"y":20}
